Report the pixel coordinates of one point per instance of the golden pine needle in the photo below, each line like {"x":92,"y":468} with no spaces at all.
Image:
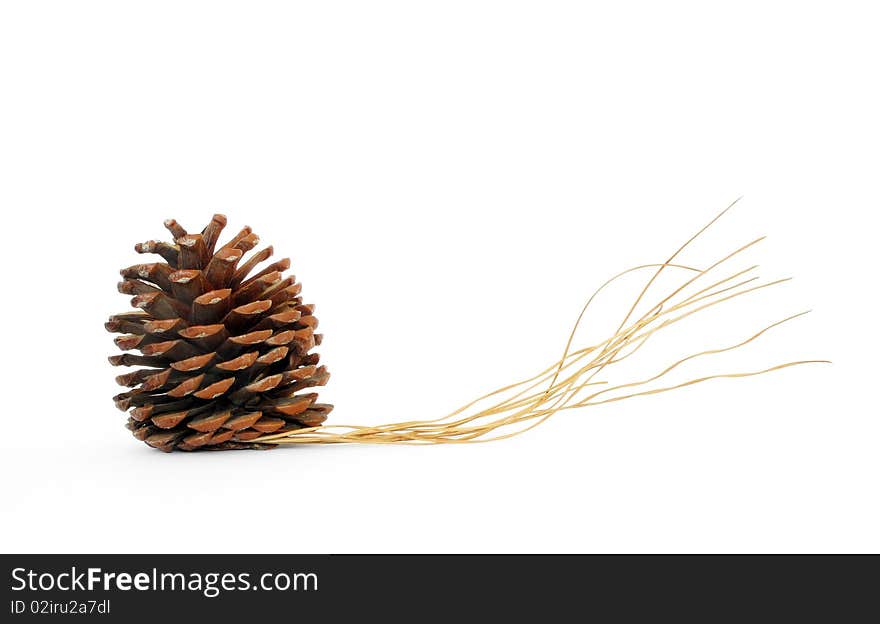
{"x":532,"y":401}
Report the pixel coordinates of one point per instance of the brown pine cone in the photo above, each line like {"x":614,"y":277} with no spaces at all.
{"x":223,"y":354}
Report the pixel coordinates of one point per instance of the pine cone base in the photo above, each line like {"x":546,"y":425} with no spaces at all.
{"x":224,"y":356}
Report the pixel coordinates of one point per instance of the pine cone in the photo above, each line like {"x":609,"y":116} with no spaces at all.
{"x":224,"y":354}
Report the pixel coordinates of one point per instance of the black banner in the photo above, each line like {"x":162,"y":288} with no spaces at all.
{"x":133,"y":588}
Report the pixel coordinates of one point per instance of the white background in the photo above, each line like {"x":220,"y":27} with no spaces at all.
{"x":451,"y":180}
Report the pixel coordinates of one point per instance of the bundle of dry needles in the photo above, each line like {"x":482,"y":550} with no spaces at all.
{"x":572,"y":381}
